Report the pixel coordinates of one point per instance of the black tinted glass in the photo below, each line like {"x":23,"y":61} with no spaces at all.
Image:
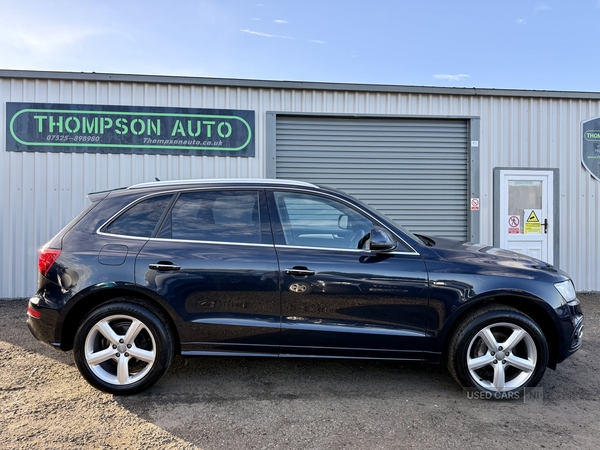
{"x":141,"y":219}
{"x":224,"y":216}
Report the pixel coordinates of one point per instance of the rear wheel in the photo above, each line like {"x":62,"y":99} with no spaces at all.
{"x":498,"y":350}
{"x":123,"y":348}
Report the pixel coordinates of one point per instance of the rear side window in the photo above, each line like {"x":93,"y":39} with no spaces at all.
{"x":141,"y":219}
{"x":220,"y":216}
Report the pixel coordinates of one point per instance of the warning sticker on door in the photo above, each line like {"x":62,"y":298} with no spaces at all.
{"x":532,"y":221}
{"x":513,"y":224}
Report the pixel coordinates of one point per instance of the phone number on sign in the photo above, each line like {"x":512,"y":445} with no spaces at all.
{"x":67,"y":138}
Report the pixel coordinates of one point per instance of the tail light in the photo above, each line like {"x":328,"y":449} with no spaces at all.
{"x":48,"y":257}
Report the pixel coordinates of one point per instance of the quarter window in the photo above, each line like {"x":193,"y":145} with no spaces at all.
{"x":223,"y":216}
{"x":141,"y":219}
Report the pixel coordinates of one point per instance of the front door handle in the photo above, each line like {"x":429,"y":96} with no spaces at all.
{"x":299,"y":271}
{"x":545,"y":226}
{"x":163,"y":266}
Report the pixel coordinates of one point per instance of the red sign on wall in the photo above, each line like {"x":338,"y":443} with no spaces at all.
{"x":513,"y":225}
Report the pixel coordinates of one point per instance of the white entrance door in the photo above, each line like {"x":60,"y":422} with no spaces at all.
{"x":526,"y":213}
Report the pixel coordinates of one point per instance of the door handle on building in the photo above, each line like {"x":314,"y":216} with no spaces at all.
{"x":545,"y":226}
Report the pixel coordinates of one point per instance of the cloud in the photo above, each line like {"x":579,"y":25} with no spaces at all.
{"x":49,"y":43}
{"x":280,"y":21}
{"x":256,"y":19}
{"x":315,"y":41}
{"x":47,"y":40}
{"x":542,"y":7}
{"x":521,"y":21}
{"x":258,"y":33}
{"x":458,"y":77}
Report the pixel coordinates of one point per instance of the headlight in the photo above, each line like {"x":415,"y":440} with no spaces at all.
{"x":567,"y":290}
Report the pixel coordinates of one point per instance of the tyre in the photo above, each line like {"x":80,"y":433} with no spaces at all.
{"x":123,"y":347}
{"x":498,"y":351}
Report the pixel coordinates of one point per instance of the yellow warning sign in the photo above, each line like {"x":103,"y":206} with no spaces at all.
{"x":533,"y":224}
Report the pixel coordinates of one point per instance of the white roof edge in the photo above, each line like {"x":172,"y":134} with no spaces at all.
{"x":221,"y":180}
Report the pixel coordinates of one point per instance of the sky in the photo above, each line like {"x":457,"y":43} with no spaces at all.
{"x":504,"y":44}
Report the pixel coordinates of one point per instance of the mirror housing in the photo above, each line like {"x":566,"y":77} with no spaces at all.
{"x":382,"y":240}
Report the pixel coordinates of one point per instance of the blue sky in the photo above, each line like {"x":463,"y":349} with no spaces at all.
{"x":516,"y":44}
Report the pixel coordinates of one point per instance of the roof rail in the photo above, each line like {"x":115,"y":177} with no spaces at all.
{"x":222,"y":180}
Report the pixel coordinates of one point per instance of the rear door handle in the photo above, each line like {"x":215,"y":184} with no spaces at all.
{"x":163,"y":267}
{"x":300,"y":271}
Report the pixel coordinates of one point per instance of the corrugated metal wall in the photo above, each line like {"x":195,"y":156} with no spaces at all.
{"x":412,"y":170}
{"x":42,"y":192}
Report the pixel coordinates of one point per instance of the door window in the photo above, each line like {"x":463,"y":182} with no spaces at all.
{"x":221,"y":216}
{"x":523,"y":195}
{"x":315,"y":221}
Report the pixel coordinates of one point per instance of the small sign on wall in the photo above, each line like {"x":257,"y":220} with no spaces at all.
{"x":590,"y":147}
{"x":514,"y":224}
{"x":532,"y":221}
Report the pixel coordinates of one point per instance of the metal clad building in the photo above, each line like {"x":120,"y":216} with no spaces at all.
{"x":445,"y":161}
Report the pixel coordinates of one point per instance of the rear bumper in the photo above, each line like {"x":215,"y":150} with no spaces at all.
{"x":44,"y":328}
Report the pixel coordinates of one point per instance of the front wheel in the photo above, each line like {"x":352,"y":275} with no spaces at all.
{"x":123,"y":348}
{"x":498,"y":350}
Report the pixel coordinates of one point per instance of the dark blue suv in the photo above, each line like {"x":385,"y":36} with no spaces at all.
{"x":279,"y":268}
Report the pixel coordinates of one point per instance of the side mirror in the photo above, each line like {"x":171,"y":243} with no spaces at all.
{"x":381,"y":240}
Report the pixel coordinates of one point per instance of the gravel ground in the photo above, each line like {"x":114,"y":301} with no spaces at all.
{"x":243,"y":403}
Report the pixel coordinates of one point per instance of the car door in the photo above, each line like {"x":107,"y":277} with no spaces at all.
{"x":214,"y":262}
{"x":338,"y":297}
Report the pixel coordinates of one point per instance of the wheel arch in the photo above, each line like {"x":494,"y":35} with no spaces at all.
{"x":95,"y":299}
{"x":534,"y":310}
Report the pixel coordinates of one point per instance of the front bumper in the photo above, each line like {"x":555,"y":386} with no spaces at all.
{"x":577,"y":337}
{"x":572,"y":329}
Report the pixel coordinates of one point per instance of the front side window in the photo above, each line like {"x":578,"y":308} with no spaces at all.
{"x":314,"y":221}
{"x":221,"y":216}
{"x":141,"y":219}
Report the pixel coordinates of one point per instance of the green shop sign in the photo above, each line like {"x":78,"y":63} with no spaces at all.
{"x":51,"y":127}
{"x":590,"y":147}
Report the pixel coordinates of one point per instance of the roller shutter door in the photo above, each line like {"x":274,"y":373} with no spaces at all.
{"x":413,"y":170}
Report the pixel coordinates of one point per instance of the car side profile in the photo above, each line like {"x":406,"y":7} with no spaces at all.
{"x":276,"y":268}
